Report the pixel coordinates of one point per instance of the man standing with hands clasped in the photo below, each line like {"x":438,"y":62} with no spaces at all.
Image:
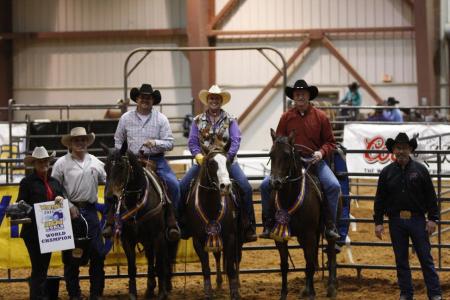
{"x":405,"y":193}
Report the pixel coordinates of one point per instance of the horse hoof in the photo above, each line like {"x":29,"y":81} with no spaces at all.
{"x":162,"y":296}
{"x":132,"y":296}
{"x":149,"y":294}
{"x":283,"y":296}
{"x":331,"y":292}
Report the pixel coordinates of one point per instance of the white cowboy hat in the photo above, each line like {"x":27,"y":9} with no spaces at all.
{"x":214,"y":89}
{"x":76,"y":132}
{"x":38,"y":153}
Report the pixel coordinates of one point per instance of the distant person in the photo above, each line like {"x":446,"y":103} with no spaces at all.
{"x":393,"y":114}
{"x":377,"y":116}
{"x":352,"y":98}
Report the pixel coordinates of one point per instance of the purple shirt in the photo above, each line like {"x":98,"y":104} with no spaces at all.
{"x":235,"y":139}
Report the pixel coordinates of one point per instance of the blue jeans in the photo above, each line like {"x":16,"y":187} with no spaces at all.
{"x":236,"y":173}
{"x":168,"y":176}
{"x":329,"y":183}
{"x":96,"y":256}
{"x":401,"y":230}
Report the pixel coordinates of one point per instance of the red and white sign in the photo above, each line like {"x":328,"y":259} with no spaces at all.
{"x":373,"y":137}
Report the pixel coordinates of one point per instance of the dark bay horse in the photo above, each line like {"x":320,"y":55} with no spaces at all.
{"x":296,"y":198}
{"x":139,"y":218}
{"x":213,"y":220}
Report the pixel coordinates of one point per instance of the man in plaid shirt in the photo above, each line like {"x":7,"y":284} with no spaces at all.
{"x":148,"y":134}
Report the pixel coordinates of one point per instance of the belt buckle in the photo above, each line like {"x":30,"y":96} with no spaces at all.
{"x":405,"y":214}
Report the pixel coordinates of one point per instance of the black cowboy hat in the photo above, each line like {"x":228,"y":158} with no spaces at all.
{"x":401,"y":138}
{"x":146,"y":89}
{"x":353,"y":86}
{"x":392,"y":101}
{"x":302,"y":85}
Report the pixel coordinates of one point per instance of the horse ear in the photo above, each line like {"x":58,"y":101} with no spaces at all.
{"x":105,"y":148}
{"x":124,"y":148}
{"x":273,"y":134}
{"x":291,"y":137}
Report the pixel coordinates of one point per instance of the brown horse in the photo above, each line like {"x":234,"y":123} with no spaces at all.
{"x":212,"y":217}
{"x":296,"y":198}
{"x":139,"y":218}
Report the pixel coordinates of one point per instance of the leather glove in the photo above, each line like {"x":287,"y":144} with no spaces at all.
{"x":150,"y":143}
{"x":199,"y":159}
{"x":59,"y":199}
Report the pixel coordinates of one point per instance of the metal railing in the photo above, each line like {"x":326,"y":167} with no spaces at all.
{"x":439,"y":245}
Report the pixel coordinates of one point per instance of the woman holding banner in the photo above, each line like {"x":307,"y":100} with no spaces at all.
{"x":35,"y":188}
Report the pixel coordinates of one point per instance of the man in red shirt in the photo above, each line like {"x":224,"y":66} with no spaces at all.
{"x":314,"y":133}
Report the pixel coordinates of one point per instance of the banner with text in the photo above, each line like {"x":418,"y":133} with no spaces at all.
{"x":373,"y":137}
{"x":54,"y":226}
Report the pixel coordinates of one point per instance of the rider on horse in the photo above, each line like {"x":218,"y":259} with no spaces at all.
{"x":148,"y":134}
{"x":313,"y":133}
{"x":208,"y":129}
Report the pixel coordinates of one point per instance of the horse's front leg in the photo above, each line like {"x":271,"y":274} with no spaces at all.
{"x":162,"y":259}
{"x":309,"y":242}
{"x":128,"y":246}
{"x":173,"y":248}
{"x":151,"y":282}
{"x":219,"y":278}
{"x":204,"y":259}
{"x":231,"y":255}
{"x":332,"y":278}
{"x":284,"y":267}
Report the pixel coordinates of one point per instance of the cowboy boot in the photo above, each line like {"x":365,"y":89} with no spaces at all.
{"x":330,"y":227}
{"x":173,"y":231}
{"x":267,"y":227}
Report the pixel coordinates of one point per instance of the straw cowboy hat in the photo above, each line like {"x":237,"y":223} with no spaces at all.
{"x":302,"y":85}
{"x":76,"y":132}
{"x":146,"y":89}
{"x":214,"y":89}
{"x":401,"y":138}
{"x":38,"y":154}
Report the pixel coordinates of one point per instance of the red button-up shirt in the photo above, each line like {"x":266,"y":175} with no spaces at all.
{"x":312,"y":129}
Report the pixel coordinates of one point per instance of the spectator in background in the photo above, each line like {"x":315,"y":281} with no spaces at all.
{"x":393,"y":114}
{"x":377,"y":116}
{"x":352,"y":98}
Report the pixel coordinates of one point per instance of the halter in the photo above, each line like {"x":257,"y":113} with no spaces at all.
{"x":281,"y":231}
{"x":213,"y":228}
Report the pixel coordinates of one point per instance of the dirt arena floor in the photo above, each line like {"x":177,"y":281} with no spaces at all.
{"x":371,"y":284}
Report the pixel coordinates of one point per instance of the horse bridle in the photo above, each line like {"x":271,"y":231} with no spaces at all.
{"x":213,"y":184}
{"x":292,"y":169}
{"x":129,"y":171}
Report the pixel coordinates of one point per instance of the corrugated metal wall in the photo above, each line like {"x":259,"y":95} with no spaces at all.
{"x":88,"y":70}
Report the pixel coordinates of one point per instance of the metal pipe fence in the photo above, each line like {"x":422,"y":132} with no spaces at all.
{"x":439,"y":244}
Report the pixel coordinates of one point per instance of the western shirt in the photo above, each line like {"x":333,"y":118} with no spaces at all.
{"x":312,"y":129}
{"x":409,"y":189}
{"x":136,"y":132}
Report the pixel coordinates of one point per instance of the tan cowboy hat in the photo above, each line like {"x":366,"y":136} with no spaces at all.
{"x":38,"y":153}
{"x":214,"y":89}
{"x":75,"y":132}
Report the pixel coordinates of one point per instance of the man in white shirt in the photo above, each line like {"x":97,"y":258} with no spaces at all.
{"x":80,"y":172}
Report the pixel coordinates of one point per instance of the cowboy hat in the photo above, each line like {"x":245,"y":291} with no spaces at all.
{"x":214,"y":89}
{"x":302,"y":85}
{"x":391,"y":101}
{"x":353,"y":86}
{"x":38,"y":154}
{"x":146,"y":89}
{"x":76,"y":132}
{"x":401,"y":138}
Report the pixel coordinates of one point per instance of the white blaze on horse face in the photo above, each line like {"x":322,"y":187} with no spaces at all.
{"x":222,"y":172}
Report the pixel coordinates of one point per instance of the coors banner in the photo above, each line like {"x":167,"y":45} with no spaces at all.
{"x":373,"y":137}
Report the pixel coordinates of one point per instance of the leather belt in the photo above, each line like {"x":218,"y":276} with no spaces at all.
{"x":405,"y":214}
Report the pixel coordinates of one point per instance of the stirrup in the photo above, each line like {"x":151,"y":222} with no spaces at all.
{"x":332,"y":234}
{"x":265,"y":234}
